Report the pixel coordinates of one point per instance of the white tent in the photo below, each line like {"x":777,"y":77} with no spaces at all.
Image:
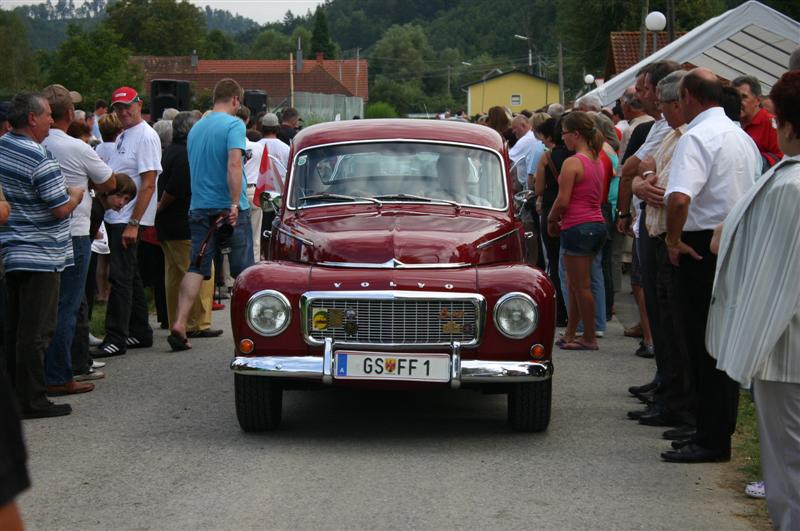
{"x":752,"y":39}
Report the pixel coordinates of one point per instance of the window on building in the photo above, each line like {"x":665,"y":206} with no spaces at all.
{"x":516,"y":100}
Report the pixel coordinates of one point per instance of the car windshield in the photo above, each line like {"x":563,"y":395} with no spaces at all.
{"x":398,"y":172}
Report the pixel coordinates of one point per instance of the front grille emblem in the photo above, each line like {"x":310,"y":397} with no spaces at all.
{"x":350,"y":325}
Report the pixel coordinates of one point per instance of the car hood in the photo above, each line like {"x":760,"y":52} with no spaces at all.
{"x":388,"y":235}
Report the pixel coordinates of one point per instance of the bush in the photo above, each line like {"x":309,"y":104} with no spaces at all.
{"x":380,"y":110}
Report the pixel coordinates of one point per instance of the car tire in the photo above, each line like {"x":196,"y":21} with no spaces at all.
{"x":529,"y":405}
{"x":259,"y":402}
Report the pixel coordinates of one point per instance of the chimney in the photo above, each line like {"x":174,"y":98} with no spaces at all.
{"x":299,"y":57}
{"x":194,"y":58}
{"x":320,"y":57}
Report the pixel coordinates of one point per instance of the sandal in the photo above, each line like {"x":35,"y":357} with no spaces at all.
{"x":177,"y":342}
{"x":577,"y":345}
{"x":561,"y":340}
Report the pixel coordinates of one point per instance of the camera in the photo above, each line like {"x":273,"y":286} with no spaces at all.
{"x":224,"y":233}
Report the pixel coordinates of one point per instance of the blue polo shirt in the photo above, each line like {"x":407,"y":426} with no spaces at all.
{"x":209,"y":142}
{"x":33,"y":239}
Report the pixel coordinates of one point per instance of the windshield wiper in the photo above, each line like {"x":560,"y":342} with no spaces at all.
{"x":411,"y":197}
{"x":337,"y":197}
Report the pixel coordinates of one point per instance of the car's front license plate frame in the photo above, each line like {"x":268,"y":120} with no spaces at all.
{"x":390,"y":366}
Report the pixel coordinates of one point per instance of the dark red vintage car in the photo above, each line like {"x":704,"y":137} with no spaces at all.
{"x":395,"y":261}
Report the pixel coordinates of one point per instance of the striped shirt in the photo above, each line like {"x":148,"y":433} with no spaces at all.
{"x":33,"y":239}
{"x":754,"y":320}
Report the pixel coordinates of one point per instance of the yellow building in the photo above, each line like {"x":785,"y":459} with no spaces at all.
{"x":516,"y":90}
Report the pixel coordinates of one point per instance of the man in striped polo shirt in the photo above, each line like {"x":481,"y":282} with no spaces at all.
{"x":36,"y":247}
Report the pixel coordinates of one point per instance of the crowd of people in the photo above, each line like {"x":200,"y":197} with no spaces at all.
{"x":701,"y":175}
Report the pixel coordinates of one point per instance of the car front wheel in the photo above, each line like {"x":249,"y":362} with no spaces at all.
{"x":529,"y":405}
{"x":259,"y":401}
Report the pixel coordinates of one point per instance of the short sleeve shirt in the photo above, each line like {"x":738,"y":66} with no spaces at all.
{"x":79,"y":164}
{"x":138,"y":150}
{"x":209,"y":142}
{"x":33,"y":239}
{"x":172,"y":223}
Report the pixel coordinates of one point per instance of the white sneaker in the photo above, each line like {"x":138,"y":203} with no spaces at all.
{"x":756,"y":489}
{"x":93,"y":374}
{"x":94,"y":341}
{"x":98,"y":364}
{"x":599,"y":333}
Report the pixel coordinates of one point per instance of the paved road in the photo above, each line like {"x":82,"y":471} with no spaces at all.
{"x":157,"y":446}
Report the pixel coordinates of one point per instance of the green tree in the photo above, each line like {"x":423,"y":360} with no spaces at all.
{"x":320,"y":38}
{"x":271,"y":44}
{"x":16,"y":58}
{"x":380,"y":109}
{"x":93,"y":63}
{"x":302,"y":33}
{"x":158,"y":27}
{"x":217,"y":45}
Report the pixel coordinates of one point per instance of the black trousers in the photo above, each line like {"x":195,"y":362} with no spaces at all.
{"x":648,"y":265}
{"x":29,"y":328}
{"x":81,"y":360}
{"x":126,"y":310}
{"x":151,"y":268}
{"x":552,"y":247}
{"x":717,"y":394}
{"x":676,"y":391}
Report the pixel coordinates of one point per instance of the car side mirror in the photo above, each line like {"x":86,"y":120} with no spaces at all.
{"x":271,"y":201}
{"x":519,"y":201}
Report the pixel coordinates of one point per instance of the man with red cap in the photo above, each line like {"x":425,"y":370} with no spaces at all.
{"x":137,"y":154}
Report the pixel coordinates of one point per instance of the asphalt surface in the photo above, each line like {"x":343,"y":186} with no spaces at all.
{"x":157,"y":446}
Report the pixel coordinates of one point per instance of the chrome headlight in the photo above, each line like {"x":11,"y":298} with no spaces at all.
{"x":268,"y":312}
{"x":516,"y":315}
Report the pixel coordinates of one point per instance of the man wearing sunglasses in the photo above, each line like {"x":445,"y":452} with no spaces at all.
{"x":137,"y":154}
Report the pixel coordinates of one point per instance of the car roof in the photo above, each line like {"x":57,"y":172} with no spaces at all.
{"x":398,"y":129}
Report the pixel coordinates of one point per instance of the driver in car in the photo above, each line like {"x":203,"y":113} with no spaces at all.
{"x":453,"y":171}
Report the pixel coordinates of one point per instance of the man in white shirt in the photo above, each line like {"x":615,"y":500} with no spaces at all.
{"x":138,"y":155}
{"x":714,"y":164}
{"x":253,"y":154}
{"x":79,"y":165}
{"x":276,"y":150}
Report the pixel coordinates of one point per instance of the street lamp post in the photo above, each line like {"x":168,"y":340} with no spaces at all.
{"x":530,"y":52}
{"x":655,"y":22}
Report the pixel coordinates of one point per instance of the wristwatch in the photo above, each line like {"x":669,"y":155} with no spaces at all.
{"x":133,"y":222}
{"x":623,"y":215}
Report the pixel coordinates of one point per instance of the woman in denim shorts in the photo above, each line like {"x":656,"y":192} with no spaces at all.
{"x":576,"y":215}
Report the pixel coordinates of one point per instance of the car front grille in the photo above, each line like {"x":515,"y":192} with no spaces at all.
{"x":391,"y":320}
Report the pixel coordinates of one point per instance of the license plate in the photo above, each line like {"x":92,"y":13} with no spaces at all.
{"x":383,"y":366}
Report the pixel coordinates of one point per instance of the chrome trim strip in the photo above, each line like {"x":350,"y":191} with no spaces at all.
{"x":455,"y":365}
{"x":278,"y":295}
{"x":288,"y":194}
{"x":484,"y":371}
{"x":308,"y":367}
{"x":296,"y":237}
{"x":487,"y":243}
{"x":394,"y":263}
{"x":505,"y":298}
{"x":307,"y":298}
{"x":327,"y":362}
{"x":465,"y":371}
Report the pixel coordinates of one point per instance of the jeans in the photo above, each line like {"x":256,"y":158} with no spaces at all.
{"x":126,"y":309}
{"x":598,"y":290}
{"x":28,"y":331}
{"x":240,"y":241}
{"x":58,"y":357}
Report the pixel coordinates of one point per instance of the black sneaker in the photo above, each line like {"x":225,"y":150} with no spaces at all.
{"x":108,"y":350}
{"x":52,"y":410}
{"x":133,"y":342}
{"x":645,"y":351}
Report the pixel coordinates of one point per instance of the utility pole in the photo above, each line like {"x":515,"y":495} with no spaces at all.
{"x":358,"y":69}
{"x":671,"y":19}
{"x":560,"y":73}
{"x":448,"y":80}
{"x":643,"y":30}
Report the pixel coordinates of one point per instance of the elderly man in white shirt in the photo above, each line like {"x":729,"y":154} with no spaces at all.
{"x":754,"y":320}
{"x":714,"y":165}
{"x":80,"y":164}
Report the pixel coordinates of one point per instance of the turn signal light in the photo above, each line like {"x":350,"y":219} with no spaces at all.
{"x":537,"y":351}
{"x":246,"y":346}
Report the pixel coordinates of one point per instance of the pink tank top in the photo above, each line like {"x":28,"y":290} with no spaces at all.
{"x":584,"y":204}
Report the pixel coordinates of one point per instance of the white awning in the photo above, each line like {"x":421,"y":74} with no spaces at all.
{"x":752,"y":39}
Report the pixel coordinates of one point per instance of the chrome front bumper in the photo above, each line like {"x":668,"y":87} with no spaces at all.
{"x":466,"y":371}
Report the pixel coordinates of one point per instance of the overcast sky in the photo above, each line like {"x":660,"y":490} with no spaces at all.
{"x":259,"y":10}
